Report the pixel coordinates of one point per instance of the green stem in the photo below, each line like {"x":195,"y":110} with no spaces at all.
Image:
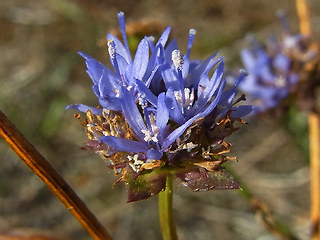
{"x":168,"y":228}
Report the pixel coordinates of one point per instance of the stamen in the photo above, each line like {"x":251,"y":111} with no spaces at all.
{"x":189,"y":97}
{"x":187,"y":100}
{"x":147,"y":135}
{"x":178,"y":96}
{"x":117,"y":92}
{"x":177,"y":59}
{"x":189,"y":146}
{"x":151,"y":135}
{"x":111,"y":49}
{"x":142,"y":101}
{"x":192,"y":33}
{"x":112,"y":53}
{"x":150,"y":38}
{"x":134,"y":162}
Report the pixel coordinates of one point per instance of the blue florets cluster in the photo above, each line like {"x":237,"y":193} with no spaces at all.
{"x":163,"y":97}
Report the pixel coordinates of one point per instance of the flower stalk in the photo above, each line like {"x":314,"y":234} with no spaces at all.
{"x":167,"y":224}
{"x":41,"y":167}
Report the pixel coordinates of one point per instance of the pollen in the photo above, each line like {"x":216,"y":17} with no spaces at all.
{"x":177,"y":59}
{"x":111,"y":49}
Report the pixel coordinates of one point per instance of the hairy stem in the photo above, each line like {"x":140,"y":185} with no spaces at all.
{"x":168,"y":228}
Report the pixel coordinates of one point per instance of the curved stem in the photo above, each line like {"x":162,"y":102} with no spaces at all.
{"x":168,"y":228}
{"x":40,"y":166}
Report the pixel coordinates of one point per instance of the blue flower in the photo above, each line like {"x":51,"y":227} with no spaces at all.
{"x":126,"y":71}
{"x":269,"y":77}
{"x":190,"y":92}
{"x":162,"y":113}
{"x":274,"y":70}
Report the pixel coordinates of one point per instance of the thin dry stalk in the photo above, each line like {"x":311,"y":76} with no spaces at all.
{"x":303,"y":14}
{"x":314,"y":138}
{"x":40,"y":166}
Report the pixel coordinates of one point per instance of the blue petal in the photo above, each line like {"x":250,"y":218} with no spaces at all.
{"x":169,"y":77}
{"x":153,"y":66}
{"x":201,"y":69}
{"x":125,"y":145}
{"x":241,"y":111}
{"x":131,"y":113}
{"x":168,"y":51}
{"x":111,"y":104}
{"x":281,"y":62}
{"x":214,"y":103}
{"x":174,"y":109}
{"x":248,"y":60}
{"x":122,"y":64}
{"x":123,"y":32}
{"x":120,"y":49}
{"x":178,"y":132}
{"x":140,"y":62}
{"x":164,"y":36}
{"x":162,"y":115}
{"x":85,"y":108}
{"x":154,"y":154}
{"x":147,"y":92}
{"x":210,"y":87}
{"x":108,"y":82}
{"x":94,"y":68}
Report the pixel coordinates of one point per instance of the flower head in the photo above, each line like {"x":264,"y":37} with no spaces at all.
{"x":160,"y":114}
{"x":275,"y":70}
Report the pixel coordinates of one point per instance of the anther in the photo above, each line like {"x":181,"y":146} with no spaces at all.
{"x":177,"y":59}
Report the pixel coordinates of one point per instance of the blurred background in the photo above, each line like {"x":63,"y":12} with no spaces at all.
{"x":41,"y":73}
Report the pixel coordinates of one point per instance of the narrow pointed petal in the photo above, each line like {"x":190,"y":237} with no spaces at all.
{"x":85,"y":108}
{"x":124,"y":145}
{"x":169,"y":77}
{"x":124,"y":34}
{"x":120,"y":48}
{"x":178,"y":132}
{"x":154,"y":154}
{"x":162,"y":116}
{"x":241,"y":111}
{"x":210,"y":86}
{"x":174,"y":109}
{"x":140,"y":62}
{"x":164,"y":36}
{"x":147,"y":92}
{"x":131,"y":113}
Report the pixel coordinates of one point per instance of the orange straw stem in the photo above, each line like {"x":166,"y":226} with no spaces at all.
{"x":303,"y":14}
{"x":40,"y":166}
{"x":314,"y":137}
